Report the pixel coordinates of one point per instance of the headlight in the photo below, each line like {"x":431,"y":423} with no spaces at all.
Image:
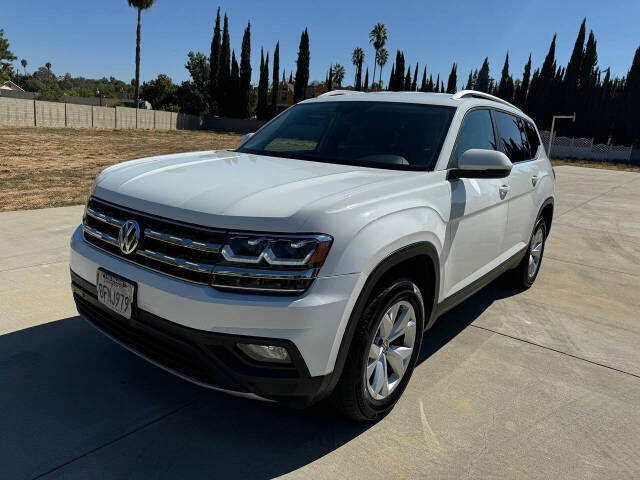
{"x":275,"y":264}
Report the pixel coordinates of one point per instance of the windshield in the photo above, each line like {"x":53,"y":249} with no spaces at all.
{"x":403,"y":136}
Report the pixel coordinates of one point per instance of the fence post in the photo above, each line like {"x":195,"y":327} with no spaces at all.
{"x":35,"y":111}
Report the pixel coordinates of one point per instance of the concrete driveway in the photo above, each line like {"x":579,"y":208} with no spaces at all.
{"x":541,"y":384}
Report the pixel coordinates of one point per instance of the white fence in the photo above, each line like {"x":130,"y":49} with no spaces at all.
{"x":585,"y":149}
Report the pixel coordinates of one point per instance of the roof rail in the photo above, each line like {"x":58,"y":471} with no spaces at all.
{"x":476,"y":94}
{"x":333,"y":93}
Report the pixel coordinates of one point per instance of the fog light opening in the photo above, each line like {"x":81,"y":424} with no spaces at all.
{"x":265,"y":353}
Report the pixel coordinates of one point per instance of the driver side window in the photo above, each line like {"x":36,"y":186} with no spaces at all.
{"x":476,"y":132}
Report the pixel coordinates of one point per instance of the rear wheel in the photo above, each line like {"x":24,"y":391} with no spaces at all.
{"x":526,"y":272}
{"x":383,"y":352}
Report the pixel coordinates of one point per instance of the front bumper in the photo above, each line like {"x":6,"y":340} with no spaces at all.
{"x":192,"y":330}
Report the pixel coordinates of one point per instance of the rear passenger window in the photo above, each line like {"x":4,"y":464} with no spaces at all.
{"x":513,"y":137}
{"x":534,"y":140}
{"x":476,"y":132}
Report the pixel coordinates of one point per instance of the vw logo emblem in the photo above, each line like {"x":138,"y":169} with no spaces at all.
{"x":129,"y":237}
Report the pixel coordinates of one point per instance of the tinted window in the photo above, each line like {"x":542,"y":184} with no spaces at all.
{"x":476,"y":132}
{"x":513,"y":137}
{"x":377,"y":134}
{"x":534,"y":140}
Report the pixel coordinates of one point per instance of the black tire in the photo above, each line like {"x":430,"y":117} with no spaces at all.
{"x":351,"y":396}
{"x":520,"y":277}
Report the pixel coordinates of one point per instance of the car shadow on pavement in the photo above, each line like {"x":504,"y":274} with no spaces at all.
{"x":75,"y":404}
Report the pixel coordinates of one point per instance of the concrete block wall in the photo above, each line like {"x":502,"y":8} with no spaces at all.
{"x":50,"y":114}
{"x":79,"y":116}
{"x":125,"y":117}
{"x":17,"y":112}
{"x":104,"y":117}
{"x":163,"y":120}
{"x":146,"y":119}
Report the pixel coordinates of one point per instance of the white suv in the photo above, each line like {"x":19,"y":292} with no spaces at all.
{"x":308,"y":262}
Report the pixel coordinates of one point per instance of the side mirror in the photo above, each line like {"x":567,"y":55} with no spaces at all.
{"x":246,"y":137}
{"x":478,"y":163}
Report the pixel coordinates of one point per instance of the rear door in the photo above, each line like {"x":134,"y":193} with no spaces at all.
{"x":478,"y":216}
{"x":518,"y":139}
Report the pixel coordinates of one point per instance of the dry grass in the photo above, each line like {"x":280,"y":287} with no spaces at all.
{"x":605,"y":165}
{"x":51,"y":167}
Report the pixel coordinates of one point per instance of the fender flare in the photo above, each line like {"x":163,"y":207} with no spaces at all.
{"x":395,"y":258}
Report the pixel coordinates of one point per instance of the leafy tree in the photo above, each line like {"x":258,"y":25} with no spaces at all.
{"x":23,"y":62}
{"x":302,"y":72}
{"x":357,"y":58}
{"x":245,"y":74}
{"x":274,"y":88}
{"x":214,"y":66}
{"x":224,"y":72}
{"x":6,"y":57}
{"x":138,"y":5}
{"x":160,"y":92}
{"x":338,"y":74}
{"x":453,"y":80}
{"x":48,"y":66}
{"x":378,"y":36}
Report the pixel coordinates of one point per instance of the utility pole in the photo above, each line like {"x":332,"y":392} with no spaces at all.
{"x":553,"y":124}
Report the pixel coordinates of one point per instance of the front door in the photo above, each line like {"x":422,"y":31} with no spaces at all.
{"x":478,"y":216}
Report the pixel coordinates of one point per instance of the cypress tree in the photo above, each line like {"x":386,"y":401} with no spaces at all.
{"x":482,"y":84}
{"x":442,"y":90}
{"x":291,"y":78}
{"x":276,"y":73}
{"x":392,"y":78}
{"x":224,"y":72}
{"x":430,"y":84}
{"x":505,"y":87}
{"x":263,"y":86}
{"x":586,"y":116}
{"x":521,"y":98}
{"x":572,"y":75}
{"x":423,"y":85}
{"x":452,"y":82}
{"x":234,"y":87}
{"x":407,"y":80}
{"x":330,"y":79}
{"x":302,"y":73}
{"x":366,"y":80}
{"x":437,"y":85}
{"x":544,"y":92}
{"x":414,"y":84}
{"x":630,"y":124}
{"x":214,"y":66}
{"x":469,"y":85}
{"x":245,"y":73}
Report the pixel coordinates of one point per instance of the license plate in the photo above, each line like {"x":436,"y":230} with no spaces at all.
{"x":115,"y":293}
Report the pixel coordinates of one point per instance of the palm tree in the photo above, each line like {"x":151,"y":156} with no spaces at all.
{"x":23,"y":62}
{"x":338,"y":74}
{"x":358,"y":58}
{"x":139,"y":5}
{"x":381,"y":59}
{"x":48,"y":65}
{"x":378,"y":37}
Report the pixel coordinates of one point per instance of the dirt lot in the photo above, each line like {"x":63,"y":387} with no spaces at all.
{"x":51,"y":167}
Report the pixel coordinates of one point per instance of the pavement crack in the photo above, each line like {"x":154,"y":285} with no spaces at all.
{"x":555,"y":350}
{"x":117,"y":439}
{"x":597,"y":196}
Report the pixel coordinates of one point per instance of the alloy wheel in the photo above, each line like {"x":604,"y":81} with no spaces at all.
{"x":391,"y":349}
{"x":535,"y":253}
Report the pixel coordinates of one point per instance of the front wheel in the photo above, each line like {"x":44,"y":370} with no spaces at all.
{"x":526,"y":272}
{"x":383,"y":352}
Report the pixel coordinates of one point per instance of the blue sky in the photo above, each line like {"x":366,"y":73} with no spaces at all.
{"x":97,"y":38}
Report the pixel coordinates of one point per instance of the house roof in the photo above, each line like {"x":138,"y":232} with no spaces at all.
{"x":9,"y":85}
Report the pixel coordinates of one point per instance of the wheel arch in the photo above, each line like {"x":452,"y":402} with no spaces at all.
{"x":546,"y":212}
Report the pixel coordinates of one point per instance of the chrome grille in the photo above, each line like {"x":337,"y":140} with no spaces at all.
{"x":178,"y":249}
{"x":186,"y":251}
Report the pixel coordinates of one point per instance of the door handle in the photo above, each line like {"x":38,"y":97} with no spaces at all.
{"x":504,"y":189}
{"x":534,"y":180}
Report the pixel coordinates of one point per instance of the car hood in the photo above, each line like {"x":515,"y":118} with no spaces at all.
{"x":233,"y":190}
